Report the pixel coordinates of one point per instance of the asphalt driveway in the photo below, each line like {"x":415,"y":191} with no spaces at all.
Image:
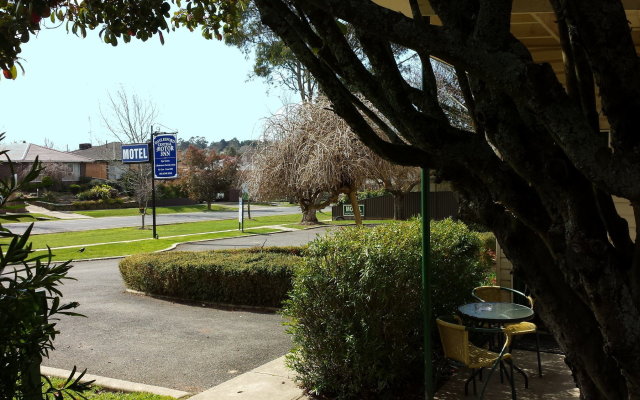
{"x":158,"y":342}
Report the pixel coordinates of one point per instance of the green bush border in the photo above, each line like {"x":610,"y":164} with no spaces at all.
{"x":258,"y":277}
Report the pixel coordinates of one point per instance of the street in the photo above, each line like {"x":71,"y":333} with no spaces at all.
{"x":74,"y":225}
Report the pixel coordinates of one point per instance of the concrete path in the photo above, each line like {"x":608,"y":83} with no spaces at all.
{"x":56,"y":214}
{"x":271,"y":381}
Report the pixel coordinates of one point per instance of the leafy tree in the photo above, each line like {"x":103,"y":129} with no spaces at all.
{"x":30,"y":301}
{"x":118,"y":21}
{"x":207,"y":174}
{"x":310,"y":155}
{"x":197,"y":141}
{"x":274,"y":61}
{"x":129,"y":119}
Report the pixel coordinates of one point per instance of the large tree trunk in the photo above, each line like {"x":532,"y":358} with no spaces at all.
{"x":398,"y":205}
{"x":561,"y":302}
{"x":353,"y":199}
{"x":535,"y":169}
{"x":308,"y":213}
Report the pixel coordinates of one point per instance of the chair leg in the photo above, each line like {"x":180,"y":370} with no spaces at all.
{"x":521,"y":372}
{"x":538,"y":352}
{"x":469,"y":379}
{"x":511,"y":381}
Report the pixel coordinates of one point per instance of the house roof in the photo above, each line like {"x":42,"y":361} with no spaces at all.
{"x":106,"y":152}
{"x":27,"y":152}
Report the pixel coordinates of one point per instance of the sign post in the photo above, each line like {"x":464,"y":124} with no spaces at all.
{"x":164,"y":153}
{"x":165,"y":156}
{"x":241,"y":214}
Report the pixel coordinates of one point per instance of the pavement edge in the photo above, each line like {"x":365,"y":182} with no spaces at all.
{"x":116,"y":384}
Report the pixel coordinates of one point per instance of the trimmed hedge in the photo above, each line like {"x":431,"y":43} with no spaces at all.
{"x":251,"y":277}
{"x":356,"y":306}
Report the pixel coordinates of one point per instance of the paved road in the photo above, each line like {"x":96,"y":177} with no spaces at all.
{"x":159,"y":342}
{"x":59,"y":226}
{"x":296,"y":238}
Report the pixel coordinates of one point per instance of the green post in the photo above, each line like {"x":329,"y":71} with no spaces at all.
{"x":426,"y":283}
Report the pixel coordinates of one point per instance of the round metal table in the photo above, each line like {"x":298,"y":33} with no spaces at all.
{"x":497,"y":313}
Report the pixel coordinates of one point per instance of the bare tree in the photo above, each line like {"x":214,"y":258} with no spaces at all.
{"x":56,"y":172}
{"x":395,"y":179}
{"x":129,"y":119}
{"x":308,"y":154}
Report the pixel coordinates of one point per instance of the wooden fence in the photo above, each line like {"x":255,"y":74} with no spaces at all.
{"x":441,"y":205}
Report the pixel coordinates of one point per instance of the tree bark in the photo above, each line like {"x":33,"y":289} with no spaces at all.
{"x":353,"y":199}
{"x":539,"y":175}
{"x":308,"y":214}
{"x":398,"y":205}
{"x":208,"y":206}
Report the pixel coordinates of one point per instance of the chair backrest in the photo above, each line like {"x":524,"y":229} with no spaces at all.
{"x":455,"y":341}
{"x":499,"y":294}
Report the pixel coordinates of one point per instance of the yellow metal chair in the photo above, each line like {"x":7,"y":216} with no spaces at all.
{"x":458,"y":348}
{"x":499,"y":294}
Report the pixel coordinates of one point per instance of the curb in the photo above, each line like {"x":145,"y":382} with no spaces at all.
{"x":116,"y":384}
{"x":225,"y":306}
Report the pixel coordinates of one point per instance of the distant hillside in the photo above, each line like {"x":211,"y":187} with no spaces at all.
{"x":230,"y":147}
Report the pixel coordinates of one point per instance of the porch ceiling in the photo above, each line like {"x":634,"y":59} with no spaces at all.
{"x":533,"y":23}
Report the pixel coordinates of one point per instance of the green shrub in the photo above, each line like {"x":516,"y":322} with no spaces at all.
{"x":356,"y":305}
{"x":98,"y":204}
{"x":99,"y":192}
{"x":254,"y":277}
{"x":46,"y":182}
{"x":74,"y":188}
{"x":171,"y":190}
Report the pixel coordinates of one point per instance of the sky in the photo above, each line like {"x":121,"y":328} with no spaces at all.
{"x":199,"y":86}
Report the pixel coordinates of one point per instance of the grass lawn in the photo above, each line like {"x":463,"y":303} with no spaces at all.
{"x":98,"y":393}
{"x":30,"y":217}
{"x":134,"y":240}
{"x":142,"y":246}
{"x":127,"y":212}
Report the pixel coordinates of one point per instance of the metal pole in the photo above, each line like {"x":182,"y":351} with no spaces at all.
{"x":426,"y":283}
{"x":153,"y":185}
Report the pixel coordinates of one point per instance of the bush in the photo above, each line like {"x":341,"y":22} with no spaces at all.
{"x":74,"y":188}
{"x":46,"y":182}
{"x":356,"y":305}
{"x":98,"y":204}
{"x":99,"y":192}
{"x":254,"y":277}
{"x":170,"y":190}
